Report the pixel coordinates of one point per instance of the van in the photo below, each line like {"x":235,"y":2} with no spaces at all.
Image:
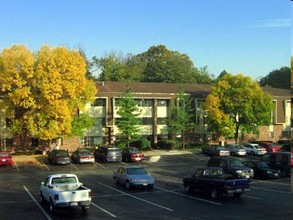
{"x":280,"y":161}
{"x":108,"y":154}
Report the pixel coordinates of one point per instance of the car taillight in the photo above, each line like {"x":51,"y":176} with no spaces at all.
{"x":90,"y":193}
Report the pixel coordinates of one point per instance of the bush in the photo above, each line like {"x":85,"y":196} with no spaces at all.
{"x":167,"y":144}
{"x":142,"y":144}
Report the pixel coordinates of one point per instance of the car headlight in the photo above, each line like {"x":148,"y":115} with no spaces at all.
{"x":239,"y":171}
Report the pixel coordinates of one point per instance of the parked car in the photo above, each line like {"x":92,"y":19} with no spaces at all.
{"x":82,"y":156}
{"x":215,"y":182}
{"x":236,"y":150}
{"x":65,"y":191}
{"x":279,"y":160}
{"x":59,"y":157}
{"x":287,"y":148}
{"x":262,"y":170}
{"x":132,"y":154}
{"x":5,"y":158}
{"x":254,"y":149}
{"x":269,"y":146}
{"x":133,"y":176}
{"x":215,"y":150}
{"x":231,"y":166}
{"x":108,"y":154}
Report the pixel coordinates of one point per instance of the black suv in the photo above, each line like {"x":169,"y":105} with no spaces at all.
{"x":231,"y":166}
{"x":108,"y":154}
{"x":279,"y":161}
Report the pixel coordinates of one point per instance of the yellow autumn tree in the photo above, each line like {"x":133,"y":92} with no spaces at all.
{"x":43,"y":92}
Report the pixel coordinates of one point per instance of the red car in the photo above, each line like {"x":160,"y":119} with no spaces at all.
{"x":132,"y":154}
{"x":270,"y":147}
{"x":5,"y":158}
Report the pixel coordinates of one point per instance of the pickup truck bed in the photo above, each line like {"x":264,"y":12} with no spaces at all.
{"x":215,"y":182}
{"x":65,"y":190}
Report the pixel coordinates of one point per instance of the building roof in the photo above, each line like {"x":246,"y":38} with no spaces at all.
{"x":158,"y":89}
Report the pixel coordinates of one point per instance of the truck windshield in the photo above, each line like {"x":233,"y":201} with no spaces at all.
{"x":63,"y":180}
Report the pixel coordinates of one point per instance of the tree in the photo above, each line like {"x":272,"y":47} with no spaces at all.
{"x":278,"y":78}
{"x":182,"y":116}
{"x":43,"y":92}
{"x":237,"y":103}
{"x":128,"y":111}
{"x":157,"y":64}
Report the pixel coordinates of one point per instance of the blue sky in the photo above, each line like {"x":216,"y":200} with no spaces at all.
{"x":252,"y":37}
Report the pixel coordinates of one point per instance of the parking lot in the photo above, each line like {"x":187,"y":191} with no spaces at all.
{"x":267,"y":199}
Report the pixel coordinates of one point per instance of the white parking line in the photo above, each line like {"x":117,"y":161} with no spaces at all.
{"x":42,"y":162}
{"x":270,"y":190}
{"x":135,"y":197}
{"x":74,"y":166}
{"x":37,"y":203}
{"x":109,"y":213}
{"x":101,"y":166}
{"x":16,"y":166}
{"x":185,"y":195}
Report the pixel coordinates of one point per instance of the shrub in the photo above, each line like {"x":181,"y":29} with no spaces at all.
{"x":167,"y":144}
{"x":142,"y":144}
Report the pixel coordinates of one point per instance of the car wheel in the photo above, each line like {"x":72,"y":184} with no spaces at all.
{"x":84,"y":210}
{"x":115,"y":180}
{"x":51,"y":206}
{"x":188,"y":188}
{"x":127,"y":185}
{"x":252,"y":153}
{"x":283,"y":173}
{"x":214,"y":193}
{"x":236,"y":195}
{"x":42,"y":201}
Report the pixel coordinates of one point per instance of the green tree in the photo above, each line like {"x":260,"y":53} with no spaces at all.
{"x":278,"y":78}
{"x":237,"y":103}
{"x":182,"y":116}
{"x":42,"y":92}
{"x":128,"y":111}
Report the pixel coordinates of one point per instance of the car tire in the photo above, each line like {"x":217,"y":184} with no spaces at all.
{"x":42,"y":201}
{"x":84,"y":210}
{"x":237,"y":195}
{"x":127,"y":185}
{"x":115,"y":181}
{"x":52,"y":206}
{"x":188,"y":188}
{"x":214,"y":193}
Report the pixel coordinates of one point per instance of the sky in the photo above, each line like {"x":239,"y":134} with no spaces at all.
{"x":251,"y":37}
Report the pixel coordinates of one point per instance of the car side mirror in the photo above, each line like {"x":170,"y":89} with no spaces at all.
{"x":42,"y":183}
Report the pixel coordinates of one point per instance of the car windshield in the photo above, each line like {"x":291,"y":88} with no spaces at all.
{"x":261,"y":164}
{"x":5,"y":155}
{"x":112,"y":150}
{"x":63,"y":180}
{"x":135,"y":171}
{"x":62,"y":153}
{"x":134,"y":150}
{"x":236,"y":163}
{"x":85,"y":153}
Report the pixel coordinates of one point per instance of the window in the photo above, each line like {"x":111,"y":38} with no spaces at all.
{"x":162,"y":121}
{"x":99,"y":102}
{"x":146,"y":121}
{"x":162,"y":103}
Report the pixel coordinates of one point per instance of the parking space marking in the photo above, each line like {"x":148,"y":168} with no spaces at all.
{"x":43,"y":164}
{"x":188,"y":196}
{"x":104,"y":210}
{"x":74,"y":166}
{"x":17,"y":167}
{"x":174,"y":181}
{"x":135,"y":197}
{"x":101,"y":166}
{"x":37,"y":203}
{"x":251,"y":197}
{"x":270,"y":190}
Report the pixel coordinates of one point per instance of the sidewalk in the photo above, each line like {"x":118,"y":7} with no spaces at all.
{"x":157,"y":152}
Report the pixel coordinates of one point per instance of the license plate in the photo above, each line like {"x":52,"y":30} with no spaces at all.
{"x":145,"y":184}
{"x":73,"y":204}
{"x":137,"y":158}
{"x":3,"y":160}
{"x":247,"y":177}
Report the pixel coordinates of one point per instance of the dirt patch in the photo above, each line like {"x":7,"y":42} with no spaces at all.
{"x":29,"y":159}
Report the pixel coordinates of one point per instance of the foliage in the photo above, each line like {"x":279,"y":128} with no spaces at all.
{"x":128,"y":111}
{"x":80,"y":122}
{"x":157,"y":64}
{"x":182,"y":116}
{"x":278,"y":78}
{"x":142,"y":144}
{"x":43,"y":92}
{"x":237,"y":103}
{"x":167,"y":144}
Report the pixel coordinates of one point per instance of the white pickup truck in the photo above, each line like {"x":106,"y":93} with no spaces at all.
{"x":64,"y":190}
